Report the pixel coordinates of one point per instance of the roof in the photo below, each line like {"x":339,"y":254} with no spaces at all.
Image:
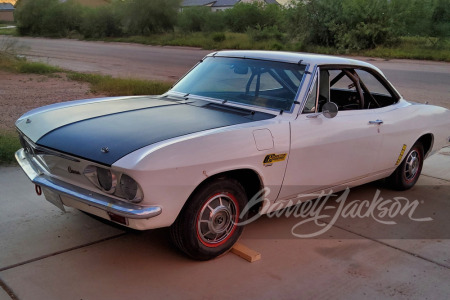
{"x":197,"y":2}
{"x":225,"y":3}
{"x":6,"y":6}
{"x":215,"y":3}
{"x":295,"y":57}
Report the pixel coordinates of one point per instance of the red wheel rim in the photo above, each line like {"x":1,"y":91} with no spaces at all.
{"x":217,"y":219}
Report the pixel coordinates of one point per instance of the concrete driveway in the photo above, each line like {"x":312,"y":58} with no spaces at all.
{"x":46,"y":254}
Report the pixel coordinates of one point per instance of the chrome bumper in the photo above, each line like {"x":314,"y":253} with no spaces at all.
{"x":105,"y":203}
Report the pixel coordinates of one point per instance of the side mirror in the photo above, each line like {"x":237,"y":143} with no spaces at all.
{"x":329,"y":110}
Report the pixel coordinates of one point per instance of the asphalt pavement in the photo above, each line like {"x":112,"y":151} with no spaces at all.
{"x":416,"y":80}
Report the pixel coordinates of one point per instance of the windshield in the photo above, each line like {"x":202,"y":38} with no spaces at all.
{"x":266,"y":84}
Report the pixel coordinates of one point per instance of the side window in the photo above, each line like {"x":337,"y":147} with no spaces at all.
{"x":373,"y":85}
{"x":344,"y":89}
{"x":310,"y":105}
{"x":324,"y":89}
{"x":353,"y":89}
{"x":344,"y":83}
{"x":376,"y":95}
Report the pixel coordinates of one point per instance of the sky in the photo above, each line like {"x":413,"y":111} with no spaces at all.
{"x":14,"y":1}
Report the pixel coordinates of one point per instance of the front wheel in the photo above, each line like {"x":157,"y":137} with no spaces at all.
{"x":207,"y":225}
{"x":408,"y":172}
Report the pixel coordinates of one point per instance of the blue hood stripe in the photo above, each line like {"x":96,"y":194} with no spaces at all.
{"x":125,"y":132}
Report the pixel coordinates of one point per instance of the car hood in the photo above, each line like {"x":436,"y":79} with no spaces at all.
{"x":105,"y":130}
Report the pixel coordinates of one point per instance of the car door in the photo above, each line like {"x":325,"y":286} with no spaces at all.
{"x":399,"y":126}
{"x":329,"y":152}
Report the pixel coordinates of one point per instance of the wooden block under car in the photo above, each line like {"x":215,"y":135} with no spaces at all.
{"x":245,"y":252}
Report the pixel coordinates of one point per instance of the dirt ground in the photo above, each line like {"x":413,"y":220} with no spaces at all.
{"x":20,"y":93}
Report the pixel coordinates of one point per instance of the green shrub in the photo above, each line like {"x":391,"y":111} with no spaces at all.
{"x":346,"y":24}
{"x":440,"y":20}
{"x":263,"y":34}
{"x":36,"y":68}
{"x":9,"y":144}
{"x":47,"y":17}
{"x":219,"y":37}
{"x":53,"y":18}
{"x":120,"y":86}
{"x":201,"y":18}
{"x":276,"y":46}
{"x":193,"y":18}
{"x":411,"y":17}
{"x":243,"y":16}
{"x":100,"y":22}
{"x":214,"y":22}
{"x":29,"y":15}
{"x":146,"y":17}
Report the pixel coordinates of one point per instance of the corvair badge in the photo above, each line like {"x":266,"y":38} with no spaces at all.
{"x":271,"y":158}
{"x":72,"y":171}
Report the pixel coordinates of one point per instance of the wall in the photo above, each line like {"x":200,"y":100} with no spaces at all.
{"x":6,"y":16}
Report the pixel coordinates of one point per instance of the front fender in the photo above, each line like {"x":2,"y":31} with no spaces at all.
{"x":169,"y":172}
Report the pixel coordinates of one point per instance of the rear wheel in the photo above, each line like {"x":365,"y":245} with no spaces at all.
{"x":408,"y":172}
{"x":207,"y":225}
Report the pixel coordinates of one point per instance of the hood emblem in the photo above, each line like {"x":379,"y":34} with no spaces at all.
{"x":104,"y":149}
{"x":28,"y":121}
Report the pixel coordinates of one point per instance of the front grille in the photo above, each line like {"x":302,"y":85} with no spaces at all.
{"x":33,"y":149}
{"x":27,"y":146}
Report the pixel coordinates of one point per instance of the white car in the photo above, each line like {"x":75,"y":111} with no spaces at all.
{"x":238,"y":122}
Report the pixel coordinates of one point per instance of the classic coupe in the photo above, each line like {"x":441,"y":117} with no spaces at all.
{"x":238,"y":123}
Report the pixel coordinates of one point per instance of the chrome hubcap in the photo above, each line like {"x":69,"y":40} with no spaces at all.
{"x":412,"y":165}
{"x":216,"y":219}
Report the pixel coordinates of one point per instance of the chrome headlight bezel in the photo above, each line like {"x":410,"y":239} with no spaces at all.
{"x":92,"y":174}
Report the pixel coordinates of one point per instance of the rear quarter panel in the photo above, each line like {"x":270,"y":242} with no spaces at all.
{"x":404,"y":123}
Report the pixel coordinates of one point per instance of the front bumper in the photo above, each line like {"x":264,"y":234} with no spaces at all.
{"x":83,"y":197}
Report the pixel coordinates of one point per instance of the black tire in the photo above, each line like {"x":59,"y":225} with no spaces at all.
{"x":206,"y":227}
{"x":408,"y":172}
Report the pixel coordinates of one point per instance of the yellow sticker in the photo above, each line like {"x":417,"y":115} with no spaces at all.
{"x":401,"y":155}
{"x":271,"y":158}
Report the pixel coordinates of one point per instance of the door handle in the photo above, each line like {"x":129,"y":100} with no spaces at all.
{"x":376,"y":122}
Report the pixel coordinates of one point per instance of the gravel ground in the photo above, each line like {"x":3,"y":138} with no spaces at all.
{"x":20,"y":93}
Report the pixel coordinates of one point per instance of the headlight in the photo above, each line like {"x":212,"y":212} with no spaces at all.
{"x":107,"y":179}
{"x":129,"y":187}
